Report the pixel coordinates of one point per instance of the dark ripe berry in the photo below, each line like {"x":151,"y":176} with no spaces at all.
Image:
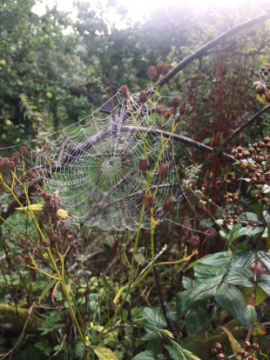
{"x":214,"y":351}
{"x":264,"y":200}
{"x":143,"y":164}
{"x":15,"y":157}
{"x":148,"y":201}
{"x":259,"y":158}
{"x":260,"y":89}
{"x":251,"y":149}
{"x":159,"y":110}
{"x":124,"y":91}
{"x":168,"y":204}
{"x":243,"y":166}
{"x":151,"y":72}
{"x":244,"y":223}
{"x":255,"y":346}
{"x":24,"y":241}
{"x":28,"y":260}
{"x":239,"y":149}
{"x":18,"y":259}
{"x":261,"y":180}
{"x":267,"y":176}
{"x":143,"y":96}
{"x":261,"y":144}
{"x":266,"y":139}
{"x":235,"y":221}
{"x":218,"y":346}
{"x":175,"y":101}
{"x":247,"y":344}
{"x":268,"y":145}
{"x":162,"y":171}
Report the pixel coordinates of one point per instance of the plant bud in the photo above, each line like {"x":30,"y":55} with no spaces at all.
{"x":168,"y":204}
{"x":261,"y":144}
{"x":183,"y":108}
{"x":218,"y":346}
{"x":124,"y":91}
{"x":143,"y":96}
{"x":11,"y":164}
{"x":151,"y":72}
{"x":260,"y":89}
{"x":159,"y":110}
{"x":221,"y":356}
{"x":54,"y":238}
{"x":24,"y":241}
{"x":143,"y":164}
{"x":246,"y":154}
{"x":266,"y":139}
{"x":255,"y":346}
{"x":18,"y":260}
{"x":49,"y":231}
{"x":23,"y":150}
{"x":46,"y":243}
{"x":247,"y":344}
{"x":214,"y":351}
{"x":267,"y":176}
{"x":15,"y":157}
{"x":239,"y":149}
{"x":259,"y":159}
{"x":175,"y":101}
{"x":148,"y":201}
{"x":162,"y":171}
{"x":167,"y":114}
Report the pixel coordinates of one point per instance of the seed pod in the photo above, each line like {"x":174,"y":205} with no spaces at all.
{"x":168,"y":204}
{"x":124,"y":91}
{"x":258,"y":149}
{"x":49,"y":231}
{"x":143,"y":164}
{"x":218,"y":346}
{"x":255,"y":84}
{"x":261,"y":180}
{"x":246,"y":154}
{"x":264,"y":201}
{"x":23,"y":150}
{"x":259,"y":158}
{"x":246,"y":354}
{"x":214,"y":351}
{"x":54,"y":238}
{"x":252,"y":168}
{"x":162,"y":171}
{"x":268,"y":145}
{"x":251,"y":149}
{"x":151,"y":72}
{"x":15,"y":157}
{"x":2,"y":162}
{"x":267,"y":176}
{"x":148,"y":201}
{"x":255,"y":145}
{"x":261,"y":144}
{"x":246,"y":344}
{"x":255,"y":346}
{"x":238,"y":156}
{"x":166,"y":69}
{"x":159,"y":69}
{"x":240,"y":149}
{"x":175,"y":101}
{"x":18,"y":259}
{"x":266,"y":139}
{"x":159,"y":110}
{"x":221,"y":356}
{"x":46,"y":243}
{"x":260,"y":89}
{"x":143,"y":96}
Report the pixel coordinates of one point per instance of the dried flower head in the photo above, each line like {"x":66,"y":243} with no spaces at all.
{"x":183,"y":108}
{"x":15,"y":157}
{"x":175,"y":101}
{"x":166,"y":69}
{"x":168,"y":204}
{"x":143,"y":164}
{"x":23,"y":150}
{"x":159,"y":110}
{"x":167,"y":114}
{"x":18,"y":259}
{"x":151,"y":72}
{"x":124,"y":91}
{"x":162,"y":171}
{"x":143,"y":96}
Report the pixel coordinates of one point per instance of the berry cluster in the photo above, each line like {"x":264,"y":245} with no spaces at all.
{"x":247,"y":351}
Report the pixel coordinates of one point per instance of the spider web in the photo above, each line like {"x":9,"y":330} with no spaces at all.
{"x":94,"y":164}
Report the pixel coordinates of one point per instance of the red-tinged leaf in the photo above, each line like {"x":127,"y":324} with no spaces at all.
{"x":260,"y":295}
{"x":258,"y":330}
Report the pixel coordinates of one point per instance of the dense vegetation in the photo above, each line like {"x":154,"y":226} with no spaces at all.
{"x":196,"y":286}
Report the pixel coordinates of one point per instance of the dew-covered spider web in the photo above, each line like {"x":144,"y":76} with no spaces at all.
{"x":93,"y":165}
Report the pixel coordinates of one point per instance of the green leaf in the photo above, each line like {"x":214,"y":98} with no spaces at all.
{"x":237,"y":233}
{"x":239,"y":276}
{"x":236,"y":347}
{"x":195,"y":320}
{"x":234,"y":303}
{"x":145,"y":355}
{"x":220,"y":259}
{"x":47,"y":288}
{"x":202,"y":271}
{"x":264,"y":283}
{"x":251,"y":313}
{"x":154,"y":317}
{"x":104,"y":353}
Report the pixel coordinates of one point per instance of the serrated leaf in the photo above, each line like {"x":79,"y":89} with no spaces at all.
{"x":154,"y":317}
{"x":104,"y":353}
{"x":236,"y":347}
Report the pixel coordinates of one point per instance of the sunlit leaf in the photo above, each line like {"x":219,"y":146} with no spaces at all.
{"x":104,"y":353}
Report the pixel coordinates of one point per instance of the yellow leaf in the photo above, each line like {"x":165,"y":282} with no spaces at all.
{"x":63,"y":213}
{"x":236,"y":347}
{"x":115,"y":300}
{"x":33,"y":207}
{"x":104,"y":353}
